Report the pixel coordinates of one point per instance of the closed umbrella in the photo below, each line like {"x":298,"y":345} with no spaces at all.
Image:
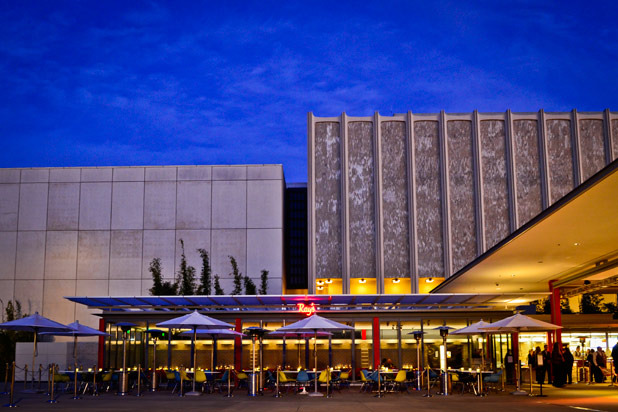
{"x":77,"y":330}
{"x":315,"y":324}
{"x":36,"y":324}
{"x":194,"y":321}
{"x":516,"y":324}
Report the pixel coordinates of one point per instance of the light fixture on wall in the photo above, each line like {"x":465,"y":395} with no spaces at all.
{"x":319,"y":282}
{"x":429,"y":280}
{"x":329,"y":281}
{"x":396,"y":280}
{"x":362,"y":280}
{"x":320,"y":287}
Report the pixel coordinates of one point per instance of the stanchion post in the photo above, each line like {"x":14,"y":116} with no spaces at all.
{"x":277,"y":393}
{"x":531,"y":389}
{"x":6,"y":379}
{"x":26,"y":376}
{"x":40,"y":373}
{"x":328,"y":394}
{"x":229,"y":382}
{"x":139,"y":380}
{"x":182,"y":383}
{"x":75,"y":395}
{"x":52,"y":399}
{"x":611,"y":372}
{"x":95,"y":390}
{"x":11,"y":403}
{"x":49,"y":375}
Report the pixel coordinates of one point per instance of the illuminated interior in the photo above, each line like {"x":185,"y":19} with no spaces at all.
{"x":363,"y":286}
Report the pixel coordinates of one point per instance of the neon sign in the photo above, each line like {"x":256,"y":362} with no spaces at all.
{"x":307,"y":309}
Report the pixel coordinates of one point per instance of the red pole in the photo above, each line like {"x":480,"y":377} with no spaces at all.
{"x":238,"y":346}
{"x":376,"y":342}
{"x":101,"y":354}
{"x":556,"y":315}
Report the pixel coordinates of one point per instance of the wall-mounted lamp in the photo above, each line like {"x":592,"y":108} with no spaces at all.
{"x":329,"y":281}
{"x":319,"y":282}
{"x":429,"y":280}
{"x":396,"y":280}
{"x":362,"y":280}
{"x":320,"y":287}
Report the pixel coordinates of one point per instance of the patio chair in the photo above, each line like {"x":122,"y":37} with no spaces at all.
{"x":302,"y":379}
{"x":342,"y":381}
{"x":492,"y":381}
{"x":286,"y":382}
{"x":221,"y":383}
{"x":242,"y":379}
{"x":400,"y":382}
{"x":366,"y":384}
{"x":325,"y":379}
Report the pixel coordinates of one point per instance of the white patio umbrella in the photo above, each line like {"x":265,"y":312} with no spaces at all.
{"x":36,"y":324}
{"x":519,"y":323}
{"x":315,"y":323}
{"x":194,"y":321}
{"x":475,"y":329}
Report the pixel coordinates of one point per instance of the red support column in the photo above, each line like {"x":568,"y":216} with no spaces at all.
{"x":556,"y":315}
{"x":101,"y":353}
{"x":516,"y":362}
{"x":376,"y":342}
{"x":238,"y":347}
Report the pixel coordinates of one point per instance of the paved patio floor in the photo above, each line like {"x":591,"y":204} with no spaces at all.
{"x":598,"y":397}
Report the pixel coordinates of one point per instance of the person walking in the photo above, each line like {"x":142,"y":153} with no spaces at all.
{"x":568,"y":364}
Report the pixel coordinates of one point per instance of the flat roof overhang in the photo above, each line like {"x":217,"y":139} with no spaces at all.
{"x":573,"y":241}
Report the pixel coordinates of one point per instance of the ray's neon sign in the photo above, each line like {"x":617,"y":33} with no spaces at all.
{"x":307,"y":309}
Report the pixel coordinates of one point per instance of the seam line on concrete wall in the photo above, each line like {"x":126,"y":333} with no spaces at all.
{"x":311,"y":201}
{"x":378,"y":199}
{"x":412,"y":234}
{"x":607,"y":136}
{"x":575,"y":153}
{"x":444,"y":190}
{"x":345,"y":210}
{"x":79,"y":201}
{"x":511,"y":172}
{"x":44,"y":255}
{"x":544,"y":162}
{"x":477,"y":172}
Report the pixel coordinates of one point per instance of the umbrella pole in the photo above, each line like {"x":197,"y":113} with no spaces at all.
{"x":518,"y":390}
{"x":193,"y":392}
{"x":34,"y":353}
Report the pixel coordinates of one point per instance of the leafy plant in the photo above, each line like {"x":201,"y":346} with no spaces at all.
{"x":186,"y":274}
{"x":237,"y":277}
{"x":565,"y":307}
{"x":218,"y":289}
{"x":8,"y":338}
{"x":205,"y":287}
{"x":264,"y":282}
{"x":591,"y":303}
{"x":250,"y":288}
{"x":160,"y":287}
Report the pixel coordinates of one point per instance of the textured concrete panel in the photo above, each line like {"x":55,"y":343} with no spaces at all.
{"x":528,"y":177}
{"x":35,"y":175}
{"x":10,"y":175}
{"x":93,"y":254}
{"x":560,"y":156}
{"x":591,"y":147}
{"x":159,"y":244}
{"x":161,"y":173}
{"x":160,"y":205}
{"x":126,"y":254}
{"x":193,"y":205}
{"x":193,"y":239}
{"x":89,"y":288}
{"x":461,"y":193}
{"x":428,"y":200}
{"x":265,"y":172}
{"x":8,"y":247}
{"x":265,"y":251}
{"x":30,"y":294}
{"x":395,"y":230}
{"x":95,"y":206}
{"x":9,"y":206}
{"x":615,"y":139}
{"x":361,"y":200}
{"x":128,"y":205}
{"x":228,"y":242}
{"x":63,"y":206}
{"x":194,"y":172}
{"x":33,"y":206}
{"x":55,"y":306}
{"x":128,"y":174}
{"x":495,"y":189}
{"x":61,"y":255}
{"x":264,"y":204}
{"x":65,"y":175}
{"x":327,"y":205}
{"x":125,"y":287}
{"x":6,"y":290}
{"x":229,"y":173}
{"x":229,"y":204}
{"x":90,"y":174}
{"x":30,"y":261}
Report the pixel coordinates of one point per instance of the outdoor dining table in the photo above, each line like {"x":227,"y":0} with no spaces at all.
{"x":478,"y":375}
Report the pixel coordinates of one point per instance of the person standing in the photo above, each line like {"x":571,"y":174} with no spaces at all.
{"x":557,"y":365}
{"x":547,"y":362}
{"x":539,"y":365}
{"x":509,"y":366}
{"x":568,"y":364}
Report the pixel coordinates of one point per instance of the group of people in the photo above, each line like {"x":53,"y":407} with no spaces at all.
{"x":557,"y":364}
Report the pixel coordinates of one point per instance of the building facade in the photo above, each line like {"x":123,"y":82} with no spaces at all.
{"x":94,"y":231}
{"x":396,"y":199}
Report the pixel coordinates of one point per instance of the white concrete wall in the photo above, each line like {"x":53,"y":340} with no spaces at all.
{"x":60,"y":353}
{"x":94,"y":231}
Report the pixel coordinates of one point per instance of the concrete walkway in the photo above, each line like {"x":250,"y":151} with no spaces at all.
{"x":598,"y":397}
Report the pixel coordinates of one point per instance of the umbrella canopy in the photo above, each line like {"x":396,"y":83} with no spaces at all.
{"x":314,"y":323}
{"x":214,"y":333}
{"x":520,"y":323}
{"x":35,"y":323}
{"x":77,"y":329}
{"x":194,"y":320}
{"x":297,"y":335}
{"x":473,"y":329}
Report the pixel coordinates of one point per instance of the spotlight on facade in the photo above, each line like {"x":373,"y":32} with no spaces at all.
{"x":329,"y":281}
{"x":319,"y":282}
{"x":396,"y":280}
{"x":429,"y":280}
{"x":320,"y":287}
{"x":362,"y":280}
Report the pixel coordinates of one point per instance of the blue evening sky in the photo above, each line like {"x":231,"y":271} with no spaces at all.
{"x":97,"y":83}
